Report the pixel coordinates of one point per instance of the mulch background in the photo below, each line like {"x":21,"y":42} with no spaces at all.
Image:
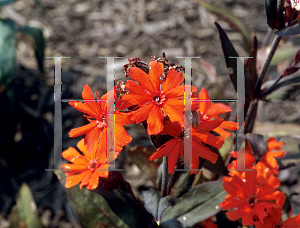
{"x":85,"y":30}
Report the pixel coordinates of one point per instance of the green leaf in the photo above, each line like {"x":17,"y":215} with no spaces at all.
{"x":24,"y":214}
{"x":234,"y":22}
{"x":172,"y":223}
{"x":140,"y":156}
{"x":183,"y":184}
{"x":231,"y":63}
{"x":7,"y":52}
{"x":37,"y":37}
{"x":91,"y":208}
{"x":289,"y":31}
{"x":130,"y":210}
{"x":6,"y":2}
{"x":200,"y":203}
{"x":157,"y":205}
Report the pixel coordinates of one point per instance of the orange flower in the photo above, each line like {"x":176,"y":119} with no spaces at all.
{"x":155,"y":97}
{"x":208,"y":111}
{"x":175,"y":147}
{"x":250,"y":199}
{"x":96,"y":130}
{"x":208,"y":223}
{"x":85,"y":168}
{"x":274,"y":217}
{"x":273,"y":150}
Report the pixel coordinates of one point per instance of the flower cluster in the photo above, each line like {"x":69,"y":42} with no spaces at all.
{"x":154,"y":96}
{"x":252,"y":194}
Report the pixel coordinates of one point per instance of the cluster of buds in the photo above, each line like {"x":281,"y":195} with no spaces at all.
{"x":282,"y":13}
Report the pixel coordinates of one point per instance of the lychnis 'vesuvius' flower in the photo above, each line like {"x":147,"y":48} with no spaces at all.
{"x":251,"y":197}
{"x":86,"y":168}
{"x":156,"y":97}
{"x":273,"y":219}
{"x":96,"y":131}
{"x":208,"y":111}
{"x":174,"y":148}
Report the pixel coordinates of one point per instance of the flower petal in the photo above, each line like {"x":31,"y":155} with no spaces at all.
{"x":164,"y":150}
{"x":89,"y":99}
{"x":82,"y":130}
{"x":217,"y":109}
{"x":155,"y":121}
{"x":229,"y":125}
{"x":141,"y":77}
{"x":204,"y":101}
{"x":173,"y":79}
{"x":136,"y":89}
{"x":83,"y":107}
{"x":92,"y":137}
{"x":73,"y":180}
{"x":70,"y":154}
{"x":208,"y":126}
{"x":155,"y":72}
{"x":174,"y":109}
{"x":142,"y":113}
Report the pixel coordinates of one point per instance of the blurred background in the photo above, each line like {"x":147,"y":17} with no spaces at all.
{"x":85,"y":30}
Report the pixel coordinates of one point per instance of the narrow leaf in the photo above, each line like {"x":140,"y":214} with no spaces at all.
{"x":200,"y":203}
{"x":157,"y":205}
{"x":91,"y":208}
{"x":7,"y":52}
{"x":289,"y":31}
{"x":24,"y":214}
{"x":251,"y":63}
{"x":39,"y":44}
{"x":234,"y":22}
{"x":231,"y":63}
{"x":285,"y":90}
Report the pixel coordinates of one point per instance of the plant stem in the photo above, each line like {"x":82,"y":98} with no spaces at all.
{"x":266,"y":65}
{"x":164,"y":181}
{"x":261,"y":76}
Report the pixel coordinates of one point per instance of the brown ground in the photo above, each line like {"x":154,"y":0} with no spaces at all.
{"x":85,"y":30}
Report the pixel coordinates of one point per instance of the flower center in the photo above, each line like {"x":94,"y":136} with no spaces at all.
{"x":93,"y":164}
{"x":101,"y":121}
{"x":252,"y":200}
{"x":158,"y":97}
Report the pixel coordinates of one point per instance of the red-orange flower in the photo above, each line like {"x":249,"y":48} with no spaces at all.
{"x":208,"y":111}
{"x":155,"y":97}
{"x":208,"y":223}
{"x":273,"y":150}
{"x":250,"y":199}
{"x":273,"y":219}
{"x":96,"y":130}
{"x":85,"y":168}
{"x":175,"y":147}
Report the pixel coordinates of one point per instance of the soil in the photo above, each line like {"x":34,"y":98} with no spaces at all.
{"x":85,"y":31}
